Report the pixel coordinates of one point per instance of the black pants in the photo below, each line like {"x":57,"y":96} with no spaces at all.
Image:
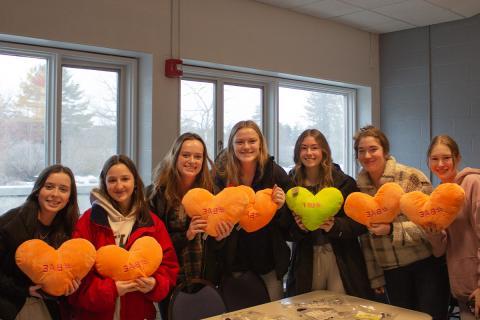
{"x":421,"y":286}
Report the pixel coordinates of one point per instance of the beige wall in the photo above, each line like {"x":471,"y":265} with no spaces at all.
{"x":240,"y":33}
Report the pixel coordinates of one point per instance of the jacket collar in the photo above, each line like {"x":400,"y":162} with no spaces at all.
{"x":99,"y":217}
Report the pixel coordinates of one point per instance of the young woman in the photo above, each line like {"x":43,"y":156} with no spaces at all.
{"x":185,"y":166}
{"x":120,"y":215}
{"x":397,"y":254}
{"x":461,"y":240}
{"x":330,"y":257}
{"x":265,"y":252}
{"x":49,"y":213}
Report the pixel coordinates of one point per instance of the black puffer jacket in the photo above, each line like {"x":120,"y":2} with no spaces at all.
{"x":343,"y":238}
{"x":266,"y":249}
{"x":17,"y":226}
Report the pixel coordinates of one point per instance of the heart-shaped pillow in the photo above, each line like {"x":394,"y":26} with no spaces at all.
{"x":228,"y":205}
{"x":259,"y":211}
{"x":55,"y":269}
{"x":437,"y":210}
{"x":382,"y":208}
{"x":314,"y":209}
{"x":142,"y":260}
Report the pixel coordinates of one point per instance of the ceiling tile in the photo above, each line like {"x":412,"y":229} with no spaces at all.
{"x":327,"y":8}
{"x":364,"y":18}
{"x":466,"y":8}
{"x":287,"y":3}
{"x":391,"y":26}
{"x":418,"y":12}
{"x":371,"y":4}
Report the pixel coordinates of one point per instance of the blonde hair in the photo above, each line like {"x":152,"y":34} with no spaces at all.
{"x":228,"y":165}
{"x":325,"y":167}
{"x":167,"y":177}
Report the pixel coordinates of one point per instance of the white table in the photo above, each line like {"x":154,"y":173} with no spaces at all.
{"x":321,"y":304}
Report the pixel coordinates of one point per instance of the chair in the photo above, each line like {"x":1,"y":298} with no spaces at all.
{"x":243,"y":291}
{"x":453,"y":311}
{"x":195,"y":299}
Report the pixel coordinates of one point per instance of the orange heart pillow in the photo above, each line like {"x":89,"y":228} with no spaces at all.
{"x":437,"y":210}
{"x":142,"y":260}
{"x":382,"y":208}
{"x":55,"y":269}
{"x":227,"y":205}
{"x":260,"y":209}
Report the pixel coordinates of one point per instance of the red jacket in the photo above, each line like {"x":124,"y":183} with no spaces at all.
{"x":95,"y":299}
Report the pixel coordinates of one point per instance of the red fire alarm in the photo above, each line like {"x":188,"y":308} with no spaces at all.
{"x":173,"y":68}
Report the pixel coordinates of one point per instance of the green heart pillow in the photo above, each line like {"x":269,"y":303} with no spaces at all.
{"x":314,"y":209}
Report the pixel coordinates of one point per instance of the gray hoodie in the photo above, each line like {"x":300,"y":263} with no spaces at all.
{"x":461,"y":240}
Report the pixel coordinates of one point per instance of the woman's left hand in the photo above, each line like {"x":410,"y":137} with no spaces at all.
{"x":145,"y":284}
{"x":73,"y":286}
{"x":278,"y":196}
{"x":327,"y":224}
{"x":476,"y":296}
{"x":380,"y":229}
{"x":223,"y":228}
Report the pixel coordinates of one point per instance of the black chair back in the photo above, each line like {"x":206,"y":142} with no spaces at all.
{"x":195,"y":299}
{"x":243,"y":291}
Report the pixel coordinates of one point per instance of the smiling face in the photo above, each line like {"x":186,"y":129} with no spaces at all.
{"x":55,"y":193}
{"x":371,"y":155}
{"x":190,"y":159}
{"x":120,"y":185}
{"x":310,"y":153}
{"x":246,"y":145}
{"x":443,"y":163}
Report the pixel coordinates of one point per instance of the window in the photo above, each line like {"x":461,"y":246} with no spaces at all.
{"x":325,"y":109}
{"x":210,"y":107}
{"x":60,"y":106}
{"x":283,"y":108}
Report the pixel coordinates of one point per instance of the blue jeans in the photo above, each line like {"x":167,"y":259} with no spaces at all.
{"x":422,"y":286}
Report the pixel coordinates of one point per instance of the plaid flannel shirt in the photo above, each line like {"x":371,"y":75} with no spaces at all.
{"x":407,"y":243}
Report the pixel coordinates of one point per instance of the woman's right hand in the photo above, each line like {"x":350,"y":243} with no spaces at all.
{"x":298,"y":221}
{"x":197,"y":225}
{"x":32,"y":291}
{"x":74,"y":285}
{"x":124,"y":287}
{"x":379,"y":290}
{"x":431,"y":229}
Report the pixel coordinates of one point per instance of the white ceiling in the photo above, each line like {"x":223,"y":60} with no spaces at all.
{"x":382,"y":16}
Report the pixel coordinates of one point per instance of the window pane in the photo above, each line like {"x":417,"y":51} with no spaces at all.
{"x":241,"y":103}
{"x":304,"y":109}
{"x":198,"y":111}
{"x":89,"y":125}
{"x":22,"y":126}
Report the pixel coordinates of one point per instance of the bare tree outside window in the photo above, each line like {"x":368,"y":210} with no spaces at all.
{"x":197,"y":110}
{"x":304,"y":109}
{"x":88,"y":125}
{"x":22,"y":126}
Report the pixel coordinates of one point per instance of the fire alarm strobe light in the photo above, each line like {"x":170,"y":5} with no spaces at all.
{"x":173,"y":68}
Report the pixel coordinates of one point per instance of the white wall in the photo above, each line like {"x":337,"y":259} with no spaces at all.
{"x":239,"y":33}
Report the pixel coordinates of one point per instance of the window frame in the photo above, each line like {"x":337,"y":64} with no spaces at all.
{"x":270,"y":114}
{"x":56,"y":59}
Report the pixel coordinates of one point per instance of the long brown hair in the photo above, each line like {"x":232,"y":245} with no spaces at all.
{"x":229,"y":165}
{"x":167,"y":178}
{"x":325,"y":167}
{"x":65,"y":220}
{"x":138,"y":199}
